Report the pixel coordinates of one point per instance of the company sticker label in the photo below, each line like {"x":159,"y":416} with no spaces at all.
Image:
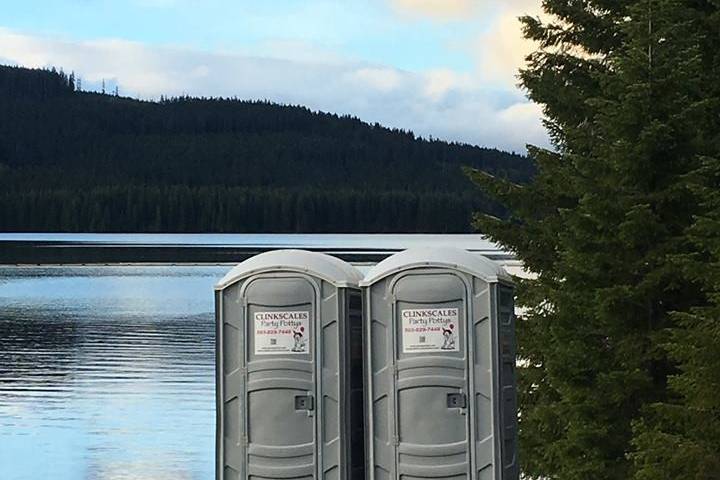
{"x":282,"y":333}
{"x":430,"y":330}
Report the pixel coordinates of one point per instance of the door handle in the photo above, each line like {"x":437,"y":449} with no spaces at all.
{"x":457,"y":400}
{"x":306,"y":403}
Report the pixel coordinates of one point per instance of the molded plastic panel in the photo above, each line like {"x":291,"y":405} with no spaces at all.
{"x":284,"y":372}
{"x":440,"y":369}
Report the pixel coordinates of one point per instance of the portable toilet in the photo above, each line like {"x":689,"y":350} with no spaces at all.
{"x":289,"y":393}
{"x":440,"y":399}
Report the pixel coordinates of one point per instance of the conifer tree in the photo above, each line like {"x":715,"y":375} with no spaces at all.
{"x":623,"y":86}
{"x":680,"y":438}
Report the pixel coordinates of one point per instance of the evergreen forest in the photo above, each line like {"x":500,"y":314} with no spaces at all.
{"x":620,"y":331}
{"x":79,"y":161}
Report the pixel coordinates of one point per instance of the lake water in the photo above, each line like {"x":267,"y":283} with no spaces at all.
{"x":208,"y":248}
{"x":107,"y":373}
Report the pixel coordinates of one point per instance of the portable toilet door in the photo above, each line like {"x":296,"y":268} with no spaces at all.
{"x":439,"y":367}
{"x":284,"y":386}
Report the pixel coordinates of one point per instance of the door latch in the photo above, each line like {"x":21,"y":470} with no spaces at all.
{"x":304,"y":402}
{"x":456,"y":400}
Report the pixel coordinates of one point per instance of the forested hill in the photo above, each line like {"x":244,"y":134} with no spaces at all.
{"x":82,"y":161}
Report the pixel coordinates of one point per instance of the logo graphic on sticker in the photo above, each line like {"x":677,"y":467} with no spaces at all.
{"x":449,"y":335}
{"x":281,"y":333}
{"x":430,"y":330}
{"x":300,"y":343}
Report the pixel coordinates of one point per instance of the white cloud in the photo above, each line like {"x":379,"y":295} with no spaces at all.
{"x":381,"y":79}
{"x":297,"y":49}
{"x":440,"y":103}
{"x":498,"y":51}
{"x":440,"y":82}
{"x":501,"y":49}
{"x":437,"y":9}
{"x":523,"y":117}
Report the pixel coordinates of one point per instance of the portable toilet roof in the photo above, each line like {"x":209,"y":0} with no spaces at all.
{"x":452,"y":257}
{"x":330,"y":269}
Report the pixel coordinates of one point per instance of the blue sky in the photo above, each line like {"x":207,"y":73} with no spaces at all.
{"x":434,"y":66}
{"x":361,"y":30}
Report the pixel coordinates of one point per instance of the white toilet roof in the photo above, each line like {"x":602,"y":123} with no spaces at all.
{"x":451,"y":257}
{"x":329,"y":268}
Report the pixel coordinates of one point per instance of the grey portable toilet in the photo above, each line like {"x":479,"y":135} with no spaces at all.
{"x":440,"y":397}
{"x":289,"y":395}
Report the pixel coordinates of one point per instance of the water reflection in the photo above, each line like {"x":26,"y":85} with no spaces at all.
{"x":107,"y":372}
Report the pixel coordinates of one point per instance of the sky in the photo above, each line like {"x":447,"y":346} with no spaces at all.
{"x":442,"y":68}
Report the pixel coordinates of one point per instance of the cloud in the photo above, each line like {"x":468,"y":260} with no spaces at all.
{"x":499,"y":52}
{"x":437,"y":9}
{"x":439,"y":103}
{"x":381,"y":79}
{"x":501,"y":49}
{"x":440,"y":82}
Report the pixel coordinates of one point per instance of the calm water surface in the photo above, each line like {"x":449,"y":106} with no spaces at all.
{"x":107,"y":372}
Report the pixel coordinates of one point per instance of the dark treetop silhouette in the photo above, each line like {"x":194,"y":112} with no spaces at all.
{"x":82,"y":161}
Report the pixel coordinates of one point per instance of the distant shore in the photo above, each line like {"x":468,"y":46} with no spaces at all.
{"x":78,"y":249}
